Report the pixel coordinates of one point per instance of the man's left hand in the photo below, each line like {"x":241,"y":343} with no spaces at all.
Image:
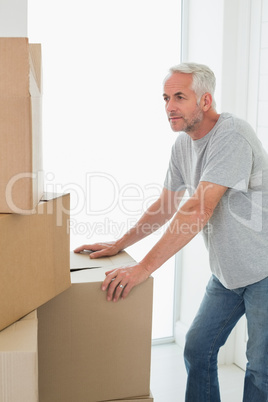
{"x":120,"y":281}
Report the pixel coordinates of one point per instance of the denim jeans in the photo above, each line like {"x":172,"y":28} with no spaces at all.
{"x":218,"y":313}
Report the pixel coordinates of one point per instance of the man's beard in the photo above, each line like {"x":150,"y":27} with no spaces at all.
{"x":193,"y":124}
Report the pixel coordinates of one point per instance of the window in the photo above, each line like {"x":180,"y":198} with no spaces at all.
{"x":105,"y":134}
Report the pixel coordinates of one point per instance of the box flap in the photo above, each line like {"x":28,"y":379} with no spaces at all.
{"x":92,"y":275}
{"x":47,"y":196}
{"x":82,"y":260}
{"x":36,"y":63}
{"x":145,"y":398}
{"x":94,"y":270}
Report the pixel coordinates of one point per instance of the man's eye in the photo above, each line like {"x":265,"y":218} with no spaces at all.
{"x":165,"y":99}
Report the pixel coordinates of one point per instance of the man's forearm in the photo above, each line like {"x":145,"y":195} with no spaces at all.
{"x":182,"y":229}
{"x":186,"y":224}
{"x":156,"y":216}
{"x":153,"y":219}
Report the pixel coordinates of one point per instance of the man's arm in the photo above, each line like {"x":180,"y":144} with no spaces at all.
{"x":159,"y":213}
{"x":187,"y":222}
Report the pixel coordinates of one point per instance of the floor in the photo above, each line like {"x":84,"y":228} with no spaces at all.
{"x":168,"y":376}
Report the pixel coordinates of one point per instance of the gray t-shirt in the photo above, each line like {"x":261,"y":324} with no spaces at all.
{"x":237,"y":234}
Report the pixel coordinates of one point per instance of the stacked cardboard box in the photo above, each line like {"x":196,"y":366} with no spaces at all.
{"x":21,"y":173}
{"x":92,"y":350}
{"x":34,"y":264}
{"x":34,"y":245}
{"x":34,"y":241}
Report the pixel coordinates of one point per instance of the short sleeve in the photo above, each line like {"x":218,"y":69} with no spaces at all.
{"x":229,"y":161}
{"x":174,"y":180}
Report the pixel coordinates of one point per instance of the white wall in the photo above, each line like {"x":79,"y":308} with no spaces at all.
{"x":202,"y":35}
{"x":257,"y":108}
{"x":262,"y":122}
{"x":13,"y":18}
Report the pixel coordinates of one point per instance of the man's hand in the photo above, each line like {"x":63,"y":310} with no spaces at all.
{"x":100,"y":249}
{"x":120,"y":281}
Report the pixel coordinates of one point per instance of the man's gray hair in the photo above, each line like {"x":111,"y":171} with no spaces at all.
{"x":203,"y":78}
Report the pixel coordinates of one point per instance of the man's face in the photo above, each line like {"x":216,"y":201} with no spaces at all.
{"x":181,"y":104}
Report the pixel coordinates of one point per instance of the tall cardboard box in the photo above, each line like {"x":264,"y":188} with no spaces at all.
{"x":35,"y":258}
{"x":19,"y":361}
{"x":93,"y":350}
{"x":21,"y":171}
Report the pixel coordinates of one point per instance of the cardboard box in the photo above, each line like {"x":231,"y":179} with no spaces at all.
{"x":34,"y":263}
{"x":18,"y":361}
{"x":21,"y":171}
{"x":90,"y":349}
{"x":148,"y":398}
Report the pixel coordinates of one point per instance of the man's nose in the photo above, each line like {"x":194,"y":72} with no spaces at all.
{"x":170,"y":106}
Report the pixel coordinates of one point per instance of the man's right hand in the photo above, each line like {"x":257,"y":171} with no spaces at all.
{"x":100,"y":249}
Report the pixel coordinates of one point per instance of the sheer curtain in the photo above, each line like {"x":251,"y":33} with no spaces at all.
{"x":105,"y":134}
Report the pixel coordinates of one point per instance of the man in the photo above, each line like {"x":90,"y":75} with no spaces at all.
{"x":218,"y":159}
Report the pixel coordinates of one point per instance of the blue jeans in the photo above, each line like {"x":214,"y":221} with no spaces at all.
{"x":218,"y":313}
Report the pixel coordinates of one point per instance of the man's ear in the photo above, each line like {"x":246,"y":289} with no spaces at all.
{"x":206,"y":101}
